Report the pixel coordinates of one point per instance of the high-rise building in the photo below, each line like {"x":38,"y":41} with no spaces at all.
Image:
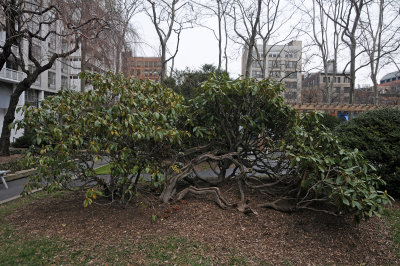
{"x":62,"y":74}
{"x":282,"y":63}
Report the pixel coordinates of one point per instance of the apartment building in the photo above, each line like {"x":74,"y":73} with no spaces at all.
{"x":48,"y":83}
{"x":282,"y":63}
{"x":63,"y":73}
{"x":314,"y":87}
{"x":145,"y":68}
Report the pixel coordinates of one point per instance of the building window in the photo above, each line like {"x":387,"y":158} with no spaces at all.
{"x":291,"y":75}
{"x":274,"y":54}
{"x":290,"y":55}
{"x":291,"y":85}
{"x":38,"y":80}
{"x":52,"y":42}
{"x":32,"y":97}
{"x":337,"y":89}
{"x":337,"y":79}
{"x":324,"y":79}
{"x":275,"y":74}
{"x":64,"y":82}
{"x":291,"y":95}
{"x":291,"y":64}
{"x":346,"y":80}
{"x":256,"y":74}
{"x":36,"y":51}
{"x":64,"y":45}
{"x":138,"y":72}
{"x":274,"y":63}
{"x":257,"y":63}
{"x":346,"y":89}
{"x":64,"y":65}
{"x":51,"y":80}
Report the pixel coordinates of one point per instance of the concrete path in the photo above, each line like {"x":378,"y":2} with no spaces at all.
{"x":15,"y":187}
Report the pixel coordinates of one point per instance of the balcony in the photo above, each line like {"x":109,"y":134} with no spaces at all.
{"x":11,"y":76}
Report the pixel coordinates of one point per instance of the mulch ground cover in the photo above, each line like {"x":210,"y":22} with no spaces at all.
{"x":11,"y":158}
{"x":271,"y":237}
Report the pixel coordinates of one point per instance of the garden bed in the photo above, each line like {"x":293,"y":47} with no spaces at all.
{"x":196,"y":231}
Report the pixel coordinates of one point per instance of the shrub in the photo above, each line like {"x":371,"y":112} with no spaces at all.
{"x":143,"y":128}
{"x":131,"y":122}
{"x":295,"y":161}
{"x":377,"y":135}
{"x":330,"y":121}
{"x":25,"y":141}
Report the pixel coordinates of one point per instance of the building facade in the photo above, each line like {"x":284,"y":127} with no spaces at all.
{"x":282,"y":63}
{"x":314,"y":88}
{"x":48,"y":83}
{"x":145,"y":68}
{"x":389,"y":89}
{"x":62,"y":75}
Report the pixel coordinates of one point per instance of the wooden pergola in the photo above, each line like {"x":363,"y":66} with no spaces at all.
{"x":335,"y":108}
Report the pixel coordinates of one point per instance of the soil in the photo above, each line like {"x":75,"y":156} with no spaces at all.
{"x":11,"y":158}
{"x":302,"y":238}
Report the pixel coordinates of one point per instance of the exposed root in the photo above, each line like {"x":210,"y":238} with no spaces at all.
{"x":282,"y":205}
{"x":221,"y":202}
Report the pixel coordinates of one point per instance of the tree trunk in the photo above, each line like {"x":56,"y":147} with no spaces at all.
{"x":11,"y":17}
{"x":264,"y":59}
{"x":352,"y":71}
{"x":163,"y":63}
{"x":226,"y":46}
{"x":251,"y":42}
{"x":118,"y":59}
{"x":219,"y":37}
{"x":376,"y":94}
{"x":10,"y":116}
{"x":83,"y":64}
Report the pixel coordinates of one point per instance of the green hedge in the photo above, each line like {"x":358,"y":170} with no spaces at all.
{"x":377,"y":135}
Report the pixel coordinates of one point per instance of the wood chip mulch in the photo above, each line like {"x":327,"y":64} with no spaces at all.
{"x":11,"y":158}
{"x":303,"y":238}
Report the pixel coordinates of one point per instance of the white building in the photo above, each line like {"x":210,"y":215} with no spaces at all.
{"x":63,"y":74}
{"x":283,"y":63}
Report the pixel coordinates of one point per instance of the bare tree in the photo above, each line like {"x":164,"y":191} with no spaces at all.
{"x":348,"y":20}
{"x":217,"y":9}
{"x":30,"y":24}
{"x":246,"y":19}
{"x":325,"y":35}
{"x":273,"y":19}
{"x":380,"y":37}
{"x":169,"y":17}
{"x":123,"y":32}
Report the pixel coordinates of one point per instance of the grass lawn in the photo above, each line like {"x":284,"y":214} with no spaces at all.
{"x":393,"y":217}
{"x":103,"y":170}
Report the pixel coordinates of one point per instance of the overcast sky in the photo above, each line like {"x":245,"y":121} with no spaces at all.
{"x":198,"y":46}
